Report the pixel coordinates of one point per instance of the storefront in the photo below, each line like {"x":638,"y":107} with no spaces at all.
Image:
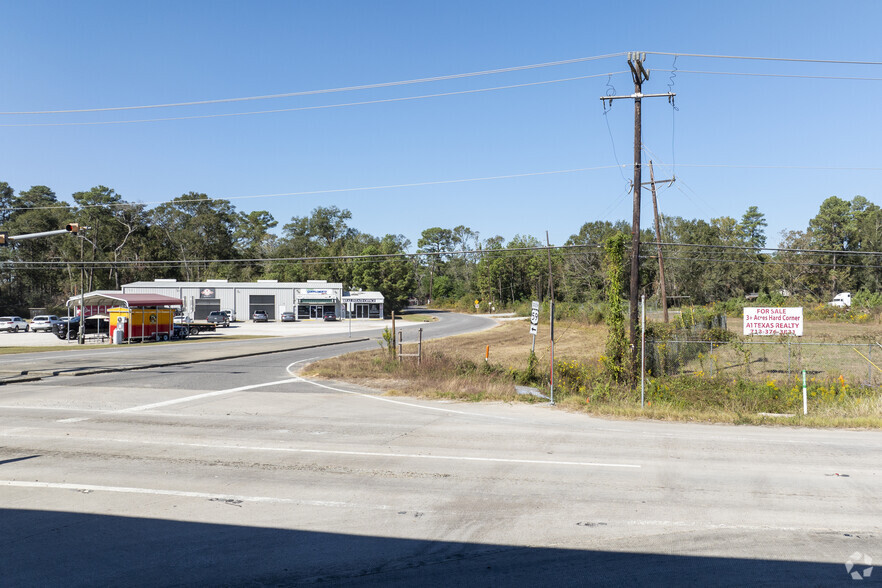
{"x":363,"y":305}
{"x":310,"y":299}
{"x":313,"y":302}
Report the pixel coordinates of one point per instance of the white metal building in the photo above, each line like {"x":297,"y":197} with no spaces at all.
{"x":359,"y":304}
{"x":310,"y":299}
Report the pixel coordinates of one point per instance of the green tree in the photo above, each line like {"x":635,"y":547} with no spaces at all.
{"x":433,"y":242}
{"x":198,"y":232}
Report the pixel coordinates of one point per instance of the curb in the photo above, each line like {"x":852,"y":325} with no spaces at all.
{"x":26,"y":377}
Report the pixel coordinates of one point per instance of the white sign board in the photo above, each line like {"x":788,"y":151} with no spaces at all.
{"x":773,"y":321}
{"x":534,"y":318}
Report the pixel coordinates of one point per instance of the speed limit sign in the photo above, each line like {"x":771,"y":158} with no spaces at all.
{"x":534,"y":318}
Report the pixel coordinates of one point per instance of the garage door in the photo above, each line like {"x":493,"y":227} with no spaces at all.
{"x":204,"y":306}
{"x":264,"y":302}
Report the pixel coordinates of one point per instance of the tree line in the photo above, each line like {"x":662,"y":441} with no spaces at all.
{"x":195,"y":237}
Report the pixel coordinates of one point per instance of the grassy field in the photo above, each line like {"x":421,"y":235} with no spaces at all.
{"x":455,"y":368}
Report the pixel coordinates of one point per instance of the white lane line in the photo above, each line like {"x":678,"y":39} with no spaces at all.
{"x":73,"y":420}
{"x":201,"y":396}
{"x":354,"y":453}
{"x":188,"y":494}
{"x":383,"y":399}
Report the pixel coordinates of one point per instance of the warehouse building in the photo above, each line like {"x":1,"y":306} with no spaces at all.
{"x":310,"y":299}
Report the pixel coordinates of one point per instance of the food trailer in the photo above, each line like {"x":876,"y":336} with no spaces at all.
{"x":141,"y":324}
{"x":133,"y":317}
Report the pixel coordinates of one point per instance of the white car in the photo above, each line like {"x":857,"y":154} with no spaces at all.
{"x":44,"y":322}
{"x":13,"y":324}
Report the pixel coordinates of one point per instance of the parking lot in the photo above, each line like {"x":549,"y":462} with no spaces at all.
{"x":269,"y":329}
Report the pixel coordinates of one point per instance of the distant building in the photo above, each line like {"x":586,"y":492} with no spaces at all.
{"x":310,"y":299}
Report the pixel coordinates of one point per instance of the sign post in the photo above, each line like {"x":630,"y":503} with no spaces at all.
{"x":534,"y":324}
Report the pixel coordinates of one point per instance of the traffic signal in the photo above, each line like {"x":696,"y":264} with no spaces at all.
{"x":4,"y":238}
{"x":73,"y":228}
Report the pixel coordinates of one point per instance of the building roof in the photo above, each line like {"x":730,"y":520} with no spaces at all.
{"x":221,"y":284}
{"x":113,"y":298}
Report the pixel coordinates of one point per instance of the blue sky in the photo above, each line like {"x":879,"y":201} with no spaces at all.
{"x":774,"y":133}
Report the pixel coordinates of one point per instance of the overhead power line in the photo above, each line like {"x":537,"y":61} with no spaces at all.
{"x":316,"y":107}
{"x":757,"y":58}
{"x":315,"y":192}
{"x":443,"y":182}
{"x":772,"y":249}
{"x":330,"y":90}
{"x":769,"y":75}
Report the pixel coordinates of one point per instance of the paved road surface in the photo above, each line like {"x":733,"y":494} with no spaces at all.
{"x":237,"y":472}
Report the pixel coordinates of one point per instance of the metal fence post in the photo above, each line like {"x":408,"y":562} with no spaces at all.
{"x":713,"y":372}
{"x":788,"y":357}
{"x":870,"y":366}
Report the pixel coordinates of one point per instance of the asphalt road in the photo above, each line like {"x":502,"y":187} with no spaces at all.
{"x":238,"y":472}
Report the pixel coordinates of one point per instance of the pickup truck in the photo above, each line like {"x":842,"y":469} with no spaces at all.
{"x":70,"y":329}
{"x":218,"y":317}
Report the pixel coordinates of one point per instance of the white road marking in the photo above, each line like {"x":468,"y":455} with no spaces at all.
{"x":73,"y":420}
{"x":383,"y":399}
{"x":357,"y":453}
{"x":187,"y":494}
{"x":200,"y":396}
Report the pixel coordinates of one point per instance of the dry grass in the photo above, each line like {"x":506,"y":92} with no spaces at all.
{"x":454,"y":368}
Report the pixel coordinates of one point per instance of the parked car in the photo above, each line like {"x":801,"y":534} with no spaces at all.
{"x":182,"y":319}
{"x":69,"y":329}
{"x":230,"y":315}
{"x":218,"y":316}
{"x":288,"y":317}
{"x":44,"y":322}
{"x":259,"y":316}
{"x":13,"y":324}
{"x":330,"y":316}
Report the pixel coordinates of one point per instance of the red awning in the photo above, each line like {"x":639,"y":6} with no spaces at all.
{"x":104,"y":298}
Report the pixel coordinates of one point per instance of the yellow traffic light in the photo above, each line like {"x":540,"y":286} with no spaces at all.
{"x":73,"y":227}
{"x":4,"y":238}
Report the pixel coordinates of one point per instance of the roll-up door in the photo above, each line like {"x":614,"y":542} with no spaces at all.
{"x":264,"y":302}
{"x":204,"y":306}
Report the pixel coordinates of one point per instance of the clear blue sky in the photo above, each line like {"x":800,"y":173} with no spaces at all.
{"x":79,"y":55}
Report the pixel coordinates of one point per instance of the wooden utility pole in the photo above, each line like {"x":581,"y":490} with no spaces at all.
{"x":661,"y":264}
{"x":639,"y":74}
{"x":551,"y":312}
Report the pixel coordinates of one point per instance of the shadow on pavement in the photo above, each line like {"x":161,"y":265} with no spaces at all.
{"x":40,"y":548}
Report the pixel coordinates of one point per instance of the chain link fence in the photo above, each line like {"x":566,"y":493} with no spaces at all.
{"x":767,"y":360}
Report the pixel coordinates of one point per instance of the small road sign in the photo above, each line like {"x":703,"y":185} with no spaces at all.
{"x":534,"y":318}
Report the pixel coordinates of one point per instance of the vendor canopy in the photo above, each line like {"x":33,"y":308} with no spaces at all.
{"x":105,"y":298}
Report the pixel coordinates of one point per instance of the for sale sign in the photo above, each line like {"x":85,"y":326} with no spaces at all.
{"x":773,"y":321}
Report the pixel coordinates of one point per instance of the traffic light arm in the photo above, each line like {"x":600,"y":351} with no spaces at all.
{"x":72,"y":228}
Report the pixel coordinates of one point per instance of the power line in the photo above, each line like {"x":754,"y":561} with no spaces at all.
{"x":302,"y":108}
{"x":314,"y":259}
{"x":329,"y":90}
{"x":771,"y":75}
{"x":756,"y":58}
{"x":315,"y":192}
{"x":448,"y":77}
{"x":774,"y":249}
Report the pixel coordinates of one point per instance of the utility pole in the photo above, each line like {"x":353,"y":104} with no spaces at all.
{"x":639,"y":74}
{"x":551,"y":312}
{"x":661,"y":265}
